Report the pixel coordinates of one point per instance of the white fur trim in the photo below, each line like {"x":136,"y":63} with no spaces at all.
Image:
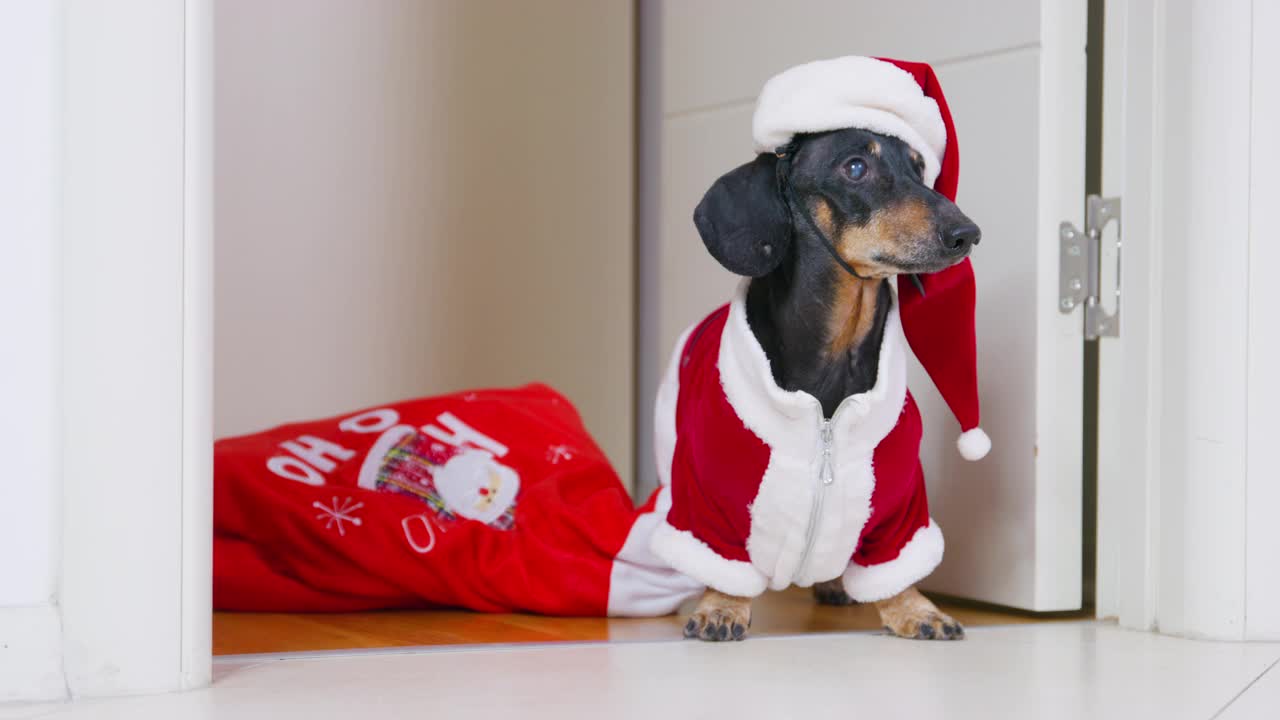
{"x":780,"y":515}
{"x":850,"y":92}
{"x":643,"y":583}
{"x":640,"y":583}
{"x":790,"y":423}
{"x":915,"y":561}
{"x":974,"y":444}
{"x":664,"y":411}
{"x":781,"y":418}
{"x":689,"y":555}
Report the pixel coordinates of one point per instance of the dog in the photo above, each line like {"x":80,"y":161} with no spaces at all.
{"x":821,"y":228}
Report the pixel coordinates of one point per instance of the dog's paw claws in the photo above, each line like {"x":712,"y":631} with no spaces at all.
{"x":911,"y":615}
{"x":932,"y":627}
{"x":717,"y":626}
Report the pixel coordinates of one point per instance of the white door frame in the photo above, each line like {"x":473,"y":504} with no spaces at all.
{"x":1185,"y":552}
{"x":137,"y":263}
{"x":1127,"y":469}
{"x":195,"y":658}
{"x":1188,"y":399}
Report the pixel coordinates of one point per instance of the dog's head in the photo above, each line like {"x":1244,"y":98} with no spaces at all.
{"x":863,"y":190}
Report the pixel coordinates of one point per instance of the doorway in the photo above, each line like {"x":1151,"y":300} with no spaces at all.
{"x":338,"y":201}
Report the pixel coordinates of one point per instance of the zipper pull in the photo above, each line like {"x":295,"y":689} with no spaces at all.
{"x":828,"y":472}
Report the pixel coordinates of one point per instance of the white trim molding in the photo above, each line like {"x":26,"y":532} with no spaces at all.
{"x":196,"y":648}
{"x":1187,"y":394}
{"x":1262,"y":551}
{"x":136,"y":338}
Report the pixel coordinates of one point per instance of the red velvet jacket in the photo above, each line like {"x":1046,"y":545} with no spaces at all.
{"x":763,"y":492}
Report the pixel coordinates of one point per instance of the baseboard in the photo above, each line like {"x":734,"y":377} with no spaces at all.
{"x":31,"y":654}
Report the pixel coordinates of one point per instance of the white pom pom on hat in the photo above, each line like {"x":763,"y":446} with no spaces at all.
{"x":974,"y":444}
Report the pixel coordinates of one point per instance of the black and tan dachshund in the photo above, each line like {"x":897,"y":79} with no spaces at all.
{"x":818,"y":306}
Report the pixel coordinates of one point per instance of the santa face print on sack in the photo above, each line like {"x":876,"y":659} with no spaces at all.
{"x":476,"y":486}
{"x":454,"y":481}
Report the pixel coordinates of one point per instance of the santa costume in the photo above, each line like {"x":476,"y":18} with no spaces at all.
{"x":499,"y":500}
{"x":764,"y":490}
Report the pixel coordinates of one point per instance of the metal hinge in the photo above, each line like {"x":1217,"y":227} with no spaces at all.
{"x":1080,"y":268}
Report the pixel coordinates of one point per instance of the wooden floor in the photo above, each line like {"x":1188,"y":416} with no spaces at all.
{"x":783,"y":613}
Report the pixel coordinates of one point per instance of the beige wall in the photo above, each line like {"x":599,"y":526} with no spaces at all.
{"x":415,"y":197}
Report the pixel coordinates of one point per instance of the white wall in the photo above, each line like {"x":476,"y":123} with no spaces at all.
{"x":28,"y":309}
{"x":416,"y":197}
{"x":30,"y":49}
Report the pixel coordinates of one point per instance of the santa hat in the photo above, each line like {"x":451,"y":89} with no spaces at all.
{"x":902,"y":100}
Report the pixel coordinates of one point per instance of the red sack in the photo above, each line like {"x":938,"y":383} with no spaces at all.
{"x":493,"y":500}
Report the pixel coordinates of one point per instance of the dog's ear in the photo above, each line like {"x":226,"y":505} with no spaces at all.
{"x":743,"y":219}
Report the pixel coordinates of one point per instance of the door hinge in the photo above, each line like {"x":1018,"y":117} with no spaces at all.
{"x":1080,"y":268}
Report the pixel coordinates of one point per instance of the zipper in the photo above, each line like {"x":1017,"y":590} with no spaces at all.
{"x":826,"y":476}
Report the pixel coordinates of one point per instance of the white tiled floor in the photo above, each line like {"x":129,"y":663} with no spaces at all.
{"x":1066,"y":670}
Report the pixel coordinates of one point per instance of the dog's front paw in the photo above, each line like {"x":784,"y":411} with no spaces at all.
{"x":716,"y":626}
{"x":719,"y":617}
{"x":934,"y":626}
{"x":911,"y":615}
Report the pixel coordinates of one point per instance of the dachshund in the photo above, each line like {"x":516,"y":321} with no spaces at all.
{"x":821,"y":228}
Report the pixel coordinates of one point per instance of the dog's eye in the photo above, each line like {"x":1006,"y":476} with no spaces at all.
{"x":857,"y":168}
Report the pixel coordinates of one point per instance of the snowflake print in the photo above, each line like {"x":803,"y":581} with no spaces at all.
{"x":337,"y":514}
{"x":557,"y":453}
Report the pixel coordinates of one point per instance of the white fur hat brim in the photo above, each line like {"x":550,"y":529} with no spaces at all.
{"x":850,"y":92}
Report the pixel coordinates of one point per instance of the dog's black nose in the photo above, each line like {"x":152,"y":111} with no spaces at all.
{"x":961,"y":238}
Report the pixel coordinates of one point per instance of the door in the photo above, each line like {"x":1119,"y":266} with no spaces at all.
{"x":1014,"y":75}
